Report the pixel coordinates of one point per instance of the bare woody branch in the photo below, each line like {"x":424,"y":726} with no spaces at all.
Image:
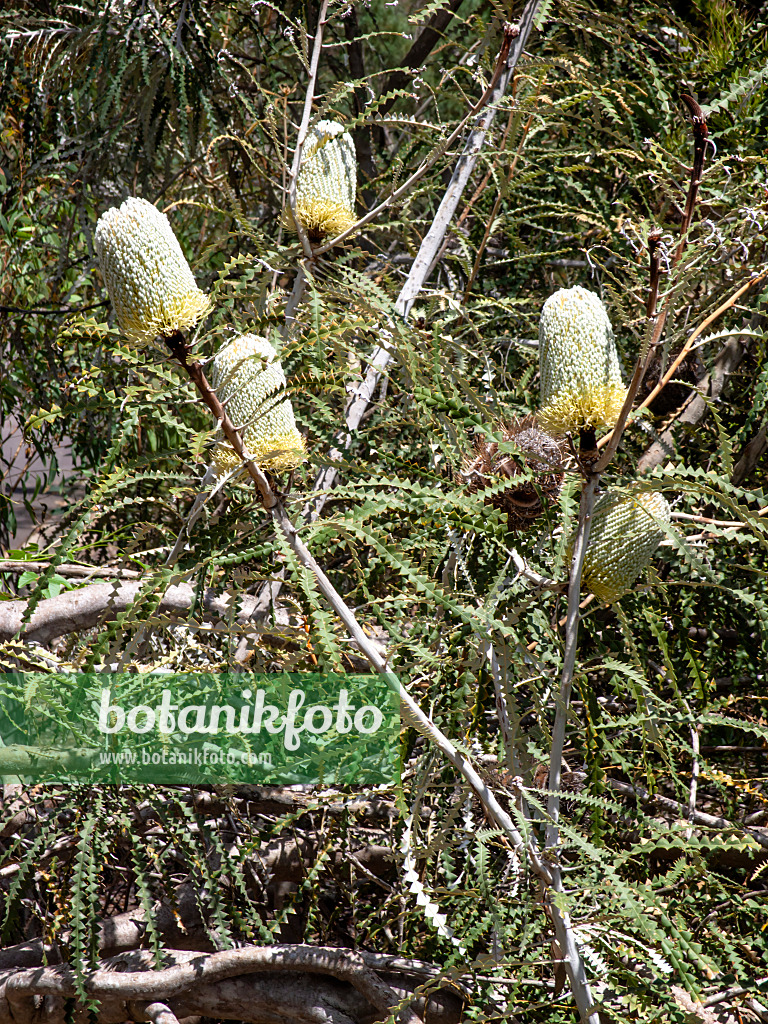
{"x":98,"y":603}
{"x":250,"y":984}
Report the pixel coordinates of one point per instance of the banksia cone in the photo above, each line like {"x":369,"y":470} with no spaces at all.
{"x":147,"y":275}
{"x":327,"y":183}
{"x":524,"y":500}
{"x":247,"y":375}
{"x":581,"y":384}
{"x":623,"y":537}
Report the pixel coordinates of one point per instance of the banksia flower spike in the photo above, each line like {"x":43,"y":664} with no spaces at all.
{"x":327,"y":182}
{"x":147,"y":275}
{"x":623,"y":537}
{"x":246,"y":375}
{"x":581,"y":384}
{"x":524,"y":500}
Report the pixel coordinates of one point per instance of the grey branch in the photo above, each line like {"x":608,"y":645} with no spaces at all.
{"x":159,"y":1013}
{"x":573,"y":963}
{"x":569,"y":658}
{"x":110,"y":985}
{"x":760,"y":836}
{"x":72,"y":569}
{"x":100,"y":602}
{"x":300,"y":984}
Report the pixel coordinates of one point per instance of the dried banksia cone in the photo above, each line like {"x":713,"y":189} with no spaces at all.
{"x":246,"y":375}
{"x":327,"y":182}
{"x":581,"y":384}
{"x":147,"y":275}
{"x":524,"y":500}
{"x":622,"y":539}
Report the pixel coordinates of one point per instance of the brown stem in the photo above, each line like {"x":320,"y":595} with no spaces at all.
{"x":179,"y":348}
{"x":654,"y":260}
{"x":700,"y":132}
{"x":700,"y":135}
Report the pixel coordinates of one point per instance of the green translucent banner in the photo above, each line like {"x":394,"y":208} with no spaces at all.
{"x":279,"y":729}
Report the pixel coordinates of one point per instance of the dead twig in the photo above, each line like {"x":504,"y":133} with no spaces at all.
{"x":659,"y":320}
{"x":695,"y":335}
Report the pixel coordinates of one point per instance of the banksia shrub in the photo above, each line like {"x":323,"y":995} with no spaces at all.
{"x":581,"y":384}
{"x":147,"y":275}
{"x":623,"y":537}
{"x":525,"y":499}
{"x":247,"y":375}
{"x":327,"y":182}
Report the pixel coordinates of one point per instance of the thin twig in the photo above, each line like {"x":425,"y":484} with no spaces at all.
{"x":85,"y":572}
{"x":698,"y":817}
{"x":704,"y":519}
{"x":723,"y":308}
{"x":731,"y":993}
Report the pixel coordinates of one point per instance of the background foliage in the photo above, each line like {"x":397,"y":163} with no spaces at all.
{"x":194,"y":106}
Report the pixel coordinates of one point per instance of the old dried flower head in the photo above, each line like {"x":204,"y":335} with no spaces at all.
{"x":624,"y":534}
{"x":537,"y":454}
{"x":327,"y":182}
{"x":581,"y":385}
{"x":247,"y":375}
{"x":147,"y":275}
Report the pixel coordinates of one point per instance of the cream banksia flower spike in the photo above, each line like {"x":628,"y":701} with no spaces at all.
{"x":147,"y":275}
{"x":624,"y":534}
{"x":581,"y":384}
{"x":327,"y":182}
{"x":247,"y":375}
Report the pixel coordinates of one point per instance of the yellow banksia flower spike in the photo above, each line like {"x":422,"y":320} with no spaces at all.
{"x":327,"y":182}
{"x":149,"y":281}
{"x":624,"y":534}
{"x":247,"y":375}
{"x":581,"y":385}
